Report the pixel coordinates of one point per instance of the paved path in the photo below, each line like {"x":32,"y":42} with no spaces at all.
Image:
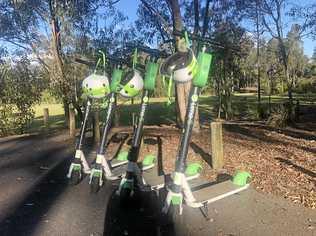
{"x":35,"y":199}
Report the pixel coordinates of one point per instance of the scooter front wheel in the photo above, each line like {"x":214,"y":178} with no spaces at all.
{"x":176,"y":220}
{"x":125,"y":194}
{"x":75,"y":177}
{"x":95,"y":184}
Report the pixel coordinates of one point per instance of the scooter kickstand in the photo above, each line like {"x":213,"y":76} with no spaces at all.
{"x":204,"y":211}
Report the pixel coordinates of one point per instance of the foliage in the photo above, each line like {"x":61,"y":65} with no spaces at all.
{"x":20,"y":89}
{"x":280,"y":116}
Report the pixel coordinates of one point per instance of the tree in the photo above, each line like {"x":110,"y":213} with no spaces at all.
{"x":273,"y":14}
{"x":54,"y":31}
{"x":253,"y":12}
{"x":314,"y":55}
{"x":200,"y":17}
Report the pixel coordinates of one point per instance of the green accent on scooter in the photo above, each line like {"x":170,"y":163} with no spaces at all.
{"x":193,"y":169}
{"x":176,"y":200}
{"x":149,"y":160}
{"x":150,"y":76}
{"x":96,"y":173}
{"x":116,"y":79}
{"x":204,"y":65}
{"x":76,"y":167}
{"x":131,"y":91}
{"x":241,"y":178}
{"x":122,"y":156}
{"x":127,"y":185}
{"x":96,"y":91}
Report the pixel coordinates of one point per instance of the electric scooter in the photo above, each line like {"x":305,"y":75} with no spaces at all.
{"x":128,"y":87}
{"x":94,"y":87}
{"x":135,"y":179}
{"x":184,"y":67}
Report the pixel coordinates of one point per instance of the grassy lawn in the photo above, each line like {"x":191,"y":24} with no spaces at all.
{"x":56,"y":117}
{"x":244,"y":107}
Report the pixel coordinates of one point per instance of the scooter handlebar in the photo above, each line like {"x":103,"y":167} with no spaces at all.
{"x":152,"y":52}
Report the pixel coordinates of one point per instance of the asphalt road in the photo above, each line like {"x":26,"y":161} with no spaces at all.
{"x":36,"y":199}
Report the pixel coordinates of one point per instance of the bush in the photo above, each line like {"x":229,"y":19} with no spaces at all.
{"x":281,"y":115}
{"x":13,"y":120}
{"x":20,"y":89}
{"x":306,"y":86}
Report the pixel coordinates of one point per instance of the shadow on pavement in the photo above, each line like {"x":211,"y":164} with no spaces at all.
{"x":140,"y":216}
{"x":27,"y":215}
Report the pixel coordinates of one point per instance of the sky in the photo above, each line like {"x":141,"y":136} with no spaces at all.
{"x":129,"y":8}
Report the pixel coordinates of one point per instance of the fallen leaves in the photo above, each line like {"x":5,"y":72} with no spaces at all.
{"x":280,"y":164}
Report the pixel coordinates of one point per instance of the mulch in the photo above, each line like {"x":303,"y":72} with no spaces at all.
{"x":281,"y":162}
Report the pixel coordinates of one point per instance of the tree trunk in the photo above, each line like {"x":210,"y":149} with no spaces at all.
{"x":78,"y":109}
{"x":259,"y":112}
{"x":72,"y":122}
{"x":66,"y":112}
{"x":183,"y":89}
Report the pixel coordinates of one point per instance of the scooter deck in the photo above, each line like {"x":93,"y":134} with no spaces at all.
{"x":156,"y":181}
{"x":153,"y":179}
{"x":115,"y":163}
{"x":119,"y":170}
{"x":212,"y":192}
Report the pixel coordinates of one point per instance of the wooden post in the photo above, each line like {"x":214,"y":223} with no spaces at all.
{"x":217,"y":145}
{"x":46,"y":117}
{"x":96,"y":127}
{"x":72,"y":121}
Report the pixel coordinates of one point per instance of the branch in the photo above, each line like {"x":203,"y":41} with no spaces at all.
{"x":196,"y":16}
{"x":111,"y":3}
{"x":154,"y":12}
{"x":15,"y":43}
{"x":268,"y":27}
{"x":206,"y":17}
{"x":46,"y":67}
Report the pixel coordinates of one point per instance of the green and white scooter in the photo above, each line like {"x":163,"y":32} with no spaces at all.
{"x":135,"y":179}
{"x":128,"y":87}
{"x":133,"y":173}
{"x":94,"y":87}
{"x":183,"y":67}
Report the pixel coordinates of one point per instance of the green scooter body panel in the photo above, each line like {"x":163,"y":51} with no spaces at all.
{"x":150,"y":76}
{"x":116,"y":79}
{"x":149,"y":160}
{"x":122,"y":156}
{"x":241,"y":178}
{"x":204,"y":65}
{"x":193,"y":169}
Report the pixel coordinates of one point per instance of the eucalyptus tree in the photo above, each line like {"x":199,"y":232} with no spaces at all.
{"x":157,"y":19}
{"x":274,"y":13}
{"x":54,"y":30}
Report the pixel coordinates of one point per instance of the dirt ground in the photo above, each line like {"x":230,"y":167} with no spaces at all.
{"x":281,"y":162}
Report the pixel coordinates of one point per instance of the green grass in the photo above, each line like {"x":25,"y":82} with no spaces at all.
{"x":56,"y":117}
{"x":244,"y":107}
{"x":54,"y":109}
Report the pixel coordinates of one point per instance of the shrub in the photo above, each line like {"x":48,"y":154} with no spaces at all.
{"x":20,"y":89}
